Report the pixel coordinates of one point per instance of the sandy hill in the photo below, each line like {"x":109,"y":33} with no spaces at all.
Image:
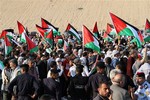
{"x":76,"y":12}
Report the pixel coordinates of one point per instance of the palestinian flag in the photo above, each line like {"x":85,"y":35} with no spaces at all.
{"x":110,"y":29}
{"x":8,"y":47}
{"x":43,"y":32}
{"x":1,"y":65}
{"x":124,"y":28}
{"x":22,"y":32}
{"x":50,"y":38}
{"x":31,"y":45}
{"x":95,"y":31}
{"x":147,"y":39}
{"x":48,"y":25}
{"x":9,"y":32}
{"x":89,"y":41}
{"x":71,"y":30}
{"x":147,"y":26}
{"x":24,"y":38}
{"x":106,"y":37}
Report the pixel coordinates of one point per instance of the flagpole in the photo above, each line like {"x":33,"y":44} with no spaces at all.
{"x":82,"y":40}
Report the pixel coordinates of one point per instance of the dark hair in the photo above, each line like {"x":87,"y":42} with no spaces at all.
{"x":103,"y":82}
{"x":6,"y":62}
{"x":53,"y":64}
{"x":79,"y":68}
{"x":85,"y":54}
{"x":14,"y":61}
{"x":108,"y":60}
{"x":45,"y":97}
{"x":25,"y":67}
{"x":100,"y":65}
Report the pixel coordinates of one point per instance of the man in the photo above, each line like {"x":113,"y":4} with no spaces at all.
{"x":33,"y":69}
{"x":77,"y":84}
{"x":115,"y":58}
{"x":95,"y":79}
{"x":143,"y":91}
{"x":130,"y":62}
{"x":72,"y":69}
{"x":27,"y":86}
{"x":15,"y":69}
{"x":103,"y":92}
{"x":51,"y":86}
{"x":118,"y":92}
{"x":6,"y":74}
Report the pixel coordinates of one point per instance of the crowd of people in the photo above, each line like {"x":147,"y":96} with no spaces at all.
{"x":120,"y":72}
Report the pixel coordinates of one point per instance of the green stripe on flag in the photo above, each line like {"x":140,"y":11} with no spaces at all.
{"x":126,"y":32}
{"x":35,"y":49}
{"x":147,"y":39}
{"x":93,"y":46}
{"x":148,"y":31}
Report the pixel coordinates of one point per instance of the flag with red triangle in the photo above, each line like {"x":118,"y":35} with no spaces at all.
{"x":106,"y":37}
{"x":71,"y":30}
{"x":124,"y":28}
{"x":48,"y":25}
{"x":8,"y":46}
{"x":89,"y":40}
{"x":9,"y":33}
{"x":25,"y":39}
{"x":95,"y":31}
{"x":22,"y":32}
{"x":50,"y":39}
{"x":147,"y":26}
{"x":43,"y":32}
{"x":31,"y":45}
{"x":110,"y":29}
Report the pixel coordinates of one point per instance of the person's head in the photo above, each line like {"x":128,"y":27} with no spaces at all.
{"x":53,"y":65}
{"x":45,"y":97}
{"x":85,"y":54}
{"x":100,"y":66}
{"x":133,"y":53}
{"x":113,"y":73}
{"x":104,"y":89}
{"x":115,"y":53}
{"x":13,"y":63}
{"x":30,"y":62}
{"x":120,"y":66}
{"x":79,"y":69}
{"x":75,"y":51}
{"x":77,"y":61}
{"x":24,"y":68}
{"x":6,"y":63}
{"x":54,"y":73}
{"x":58,"y":61}
{"x":108,"y":60}
{"x":71,"y":62}
{"x":118,"y":79}
{"x":140,"y":78}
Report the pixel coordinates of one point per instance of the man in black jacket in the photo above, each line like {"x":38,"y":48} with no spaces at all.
{"x":52,"y":86}
{"x":94,"y":80}
{"x":25,"y":84}
{"x":77,"y":84}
